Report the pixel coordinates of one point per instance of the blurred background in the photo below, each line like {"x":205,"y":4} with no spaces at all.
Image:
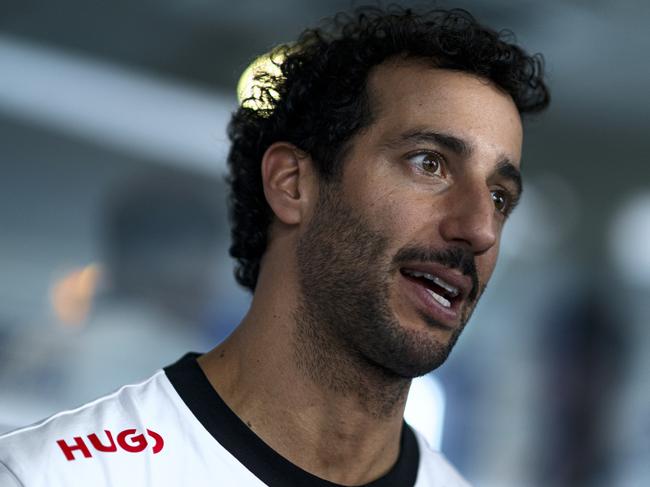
{"x":114,"y":236}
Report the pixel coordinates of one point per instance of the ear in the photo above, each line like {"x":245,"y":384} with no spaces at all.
{"x":288,"y":182}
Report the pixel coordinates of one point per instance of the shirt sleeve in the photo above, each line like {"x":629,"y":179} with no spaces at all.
{"x":8,"y":478}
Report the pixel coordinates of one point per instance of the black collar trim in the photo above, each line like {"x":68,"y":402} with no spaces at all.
{"x":224,"y":425}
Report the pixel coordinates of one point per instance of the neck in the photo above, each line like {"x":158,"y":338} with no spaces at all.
{"x":320,"y":407}
{"x":342,"y":372}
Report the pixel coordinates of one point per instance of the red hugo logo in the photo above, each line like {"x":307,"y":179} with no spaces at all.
{"x":127,"y":440}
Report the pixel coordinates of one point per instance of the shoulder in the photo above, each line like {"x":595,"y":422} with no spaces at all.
{"x":127,"y":420}
{"x":435,"y":469}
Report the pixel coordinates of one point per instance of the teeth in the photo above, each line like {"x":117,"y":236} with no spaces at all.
{"x":453,"y":291}
{"x":447,"y":287}
{"x":439,"y":298}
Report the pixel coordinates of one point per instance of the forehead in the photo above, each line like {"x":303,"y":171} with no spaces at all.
{"x":407,"y":95}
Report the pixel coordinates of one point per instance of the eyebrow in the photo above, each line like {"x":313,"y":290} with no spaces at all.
{"x":450,"y":142}
{"x":508,"y":170}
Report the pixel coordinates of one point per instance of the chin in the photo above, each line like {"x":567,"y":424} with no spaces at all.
{"x":417,"y":353}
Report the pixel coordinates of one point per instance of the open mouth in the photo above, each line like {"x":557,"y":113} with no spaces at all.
{"x":442,"y":291}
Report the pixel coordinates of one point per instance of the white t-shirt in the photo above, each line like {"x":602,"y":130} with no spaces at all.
{"x":175,"y":430}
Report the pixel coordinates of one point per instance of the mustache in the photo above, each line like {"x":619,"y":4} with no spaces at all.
{"x":453,"y":258}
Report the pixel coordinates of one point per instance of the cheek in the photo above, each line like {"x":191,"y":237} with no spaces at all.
{"x":394,"y":217}
{"x":486,"y":263}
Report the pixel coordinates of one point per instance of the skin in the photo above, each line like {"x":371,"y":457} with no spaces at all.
{"x":308,"y":388}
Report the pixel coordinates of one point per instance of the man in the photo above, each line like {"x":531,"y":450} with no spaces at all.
{"x":370,"y":184}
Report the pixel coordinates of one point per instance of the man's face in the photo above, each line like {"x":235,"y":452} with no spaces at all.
{"x":398,"y":252}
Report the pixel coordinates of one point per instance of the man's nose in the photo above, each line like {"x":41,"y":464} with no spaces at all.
{"x":470,"y":218}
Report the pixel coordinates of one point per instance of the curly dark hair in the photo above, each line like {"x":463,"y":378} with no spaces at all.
{"x":319,"y":101}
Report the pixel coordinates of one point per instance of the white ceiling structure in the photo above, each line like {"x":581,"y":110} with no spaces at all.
{"x":64,"y":56}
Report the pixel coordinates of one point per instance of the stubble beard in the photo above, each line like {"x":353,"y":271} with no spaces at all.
{"x":346,"y":338}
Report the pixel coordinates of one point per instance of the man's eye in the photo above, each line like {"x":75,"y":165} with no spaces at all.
{"x":430,"y":163}
{"x":502,"y":201}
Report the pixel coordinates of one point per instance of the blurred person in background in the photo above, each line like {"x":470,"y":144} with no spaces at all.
{"x":584,"y":380}
{"x":370,"y":183}
{"x":155,"y":285}
{"x":161,"y":260}
{"x":160,"y":235}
